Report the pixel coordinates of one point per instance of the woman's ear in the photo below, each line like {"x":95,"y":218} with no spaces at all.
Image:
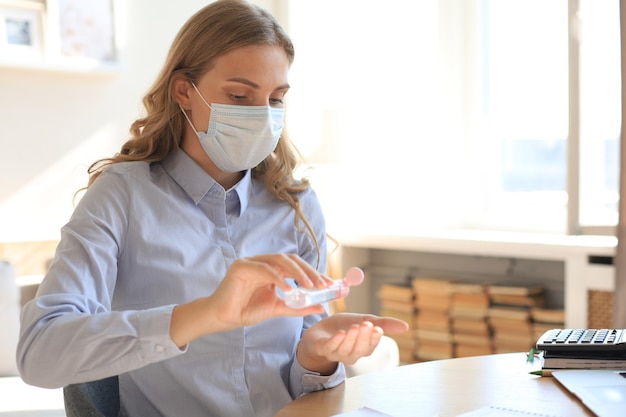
{"x":180,"y":91}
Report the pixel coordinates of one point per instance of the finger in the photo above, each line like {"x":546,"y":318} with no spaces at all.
{"x":346,"y":348}
{"x":332,"y":345}
{"x":376,"y":336}
{"x":292,"y":266}
{"x":367,"y":340}
{"x":261,"y":269}
{"x":273,"y":268}
{"x":356,"y":343}
{"x":312,"y":275}
{"x":391,"y":324}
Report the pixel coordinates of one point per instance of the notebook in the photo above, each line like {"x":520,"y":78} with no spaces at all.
{"x":603,"y":391}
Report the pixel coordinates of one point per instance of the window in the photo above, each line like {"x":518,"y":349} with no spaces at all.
{"x":489,"y":114}
{"x":600,"y":112}
{"x":537,"y":101}
{"x":522,"y":116}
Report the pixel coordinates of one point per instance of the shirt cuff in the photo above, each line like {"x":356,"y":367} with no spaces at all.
{"x":153,"y":327}
{"x":303,"y":381}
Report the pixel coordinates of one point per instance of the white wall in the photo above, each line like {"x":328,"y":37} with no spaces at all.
{"x":54,"y":124}
{"x":389,"y":74}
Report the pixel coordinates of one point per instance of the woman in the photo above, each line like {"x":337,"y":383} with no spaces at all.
{"x":166,"y":274}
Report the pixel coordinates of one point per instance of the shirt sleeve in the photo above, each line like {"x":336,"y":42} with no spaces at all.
{"x":301,"y":380}
{"x":308,"y":381}
{"x":69,"y":333}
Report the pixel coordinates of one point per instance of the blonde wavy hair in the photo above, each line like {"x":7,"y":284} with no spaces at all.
{"x":216,"y":29}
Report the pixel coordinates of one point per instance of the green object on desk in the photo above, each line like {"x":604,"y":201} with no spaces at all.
{"x":542,"y":372}
{"x":532,"y":354}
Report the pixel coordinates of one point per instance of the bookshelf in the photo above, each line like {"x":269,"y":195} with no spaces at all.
{"x":570,"y":266}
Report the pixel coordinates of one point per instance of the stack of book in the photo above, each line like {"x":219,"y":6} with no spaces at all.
{"x":398,"y":301}
{"x":433,"y":330}
{"x":509,"y":315}
{"x":583,"y":349}
{"x":470,"y":329}
{"x":545,"y":319}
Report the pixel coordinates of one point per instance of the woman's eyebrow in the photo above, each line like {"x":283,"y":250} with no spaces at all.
{"x":255,"y":85}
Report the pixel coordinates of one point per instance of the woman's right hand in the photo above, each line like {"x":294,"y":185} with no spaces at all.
{"x":246,"y":296}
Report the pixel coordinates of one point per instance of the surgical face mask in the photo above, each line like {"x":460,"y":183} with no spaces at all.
{"x":239,"y":137}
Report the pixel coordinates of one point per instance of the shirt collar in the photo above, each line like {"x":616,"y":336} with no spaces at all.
{"x":244,"y":191}
{"x":197,"y":183}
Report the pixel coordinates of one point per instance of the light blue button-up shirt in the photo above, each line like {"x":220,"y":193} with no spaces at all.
{"x":144,"y":238}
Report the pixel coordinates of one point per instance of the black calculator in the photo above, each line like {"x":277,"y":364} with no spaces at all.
{"x":583,"y":340}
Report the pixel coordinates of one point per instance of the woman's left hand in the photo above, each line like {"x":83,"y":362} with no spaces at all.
{"x":344,"y":337}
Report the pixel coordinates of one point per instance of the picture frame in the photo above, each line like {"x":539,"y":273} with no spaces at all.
{"x":81,"y":34}
{"x":21,"y":32}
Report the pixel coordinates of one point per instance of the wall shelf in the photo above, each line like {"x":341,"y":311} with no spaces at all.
{"x":579,"y":254}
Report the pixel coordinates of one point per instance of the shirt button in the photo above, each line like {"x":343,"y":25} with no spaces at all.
{"x":159,"y":348}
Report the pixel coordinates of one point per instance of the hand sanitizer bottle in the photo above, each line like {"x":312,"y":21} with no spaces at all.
{"x":304,"y":297}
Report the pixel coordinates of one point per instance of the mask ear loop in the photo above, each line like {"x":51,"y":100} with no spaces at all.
{"x":185,"y":113}
{"x":188,"y":119}
{"x":198,"y":91}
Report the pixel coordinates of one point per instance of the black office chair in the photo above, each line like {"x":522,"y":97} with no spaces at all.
{"x":93,"y":399}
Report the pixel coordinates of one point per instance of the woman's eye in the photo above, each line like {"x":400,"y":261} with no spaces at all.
{"x":237,"y":97}
{"x":276,"y":101}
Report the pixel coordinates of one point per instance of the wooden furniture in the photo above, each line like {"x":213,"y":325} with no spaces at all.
{"x":579,"y":256}
{"x":444,"y":388}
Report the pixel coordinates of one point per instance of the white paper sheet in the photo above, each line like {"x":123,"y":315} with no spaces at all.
{"x":492,"y":411}
{"x":363,"y":412}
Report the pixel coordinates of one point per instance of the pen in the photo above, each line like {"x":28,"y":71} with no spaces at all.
{"x":542,"y":372}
